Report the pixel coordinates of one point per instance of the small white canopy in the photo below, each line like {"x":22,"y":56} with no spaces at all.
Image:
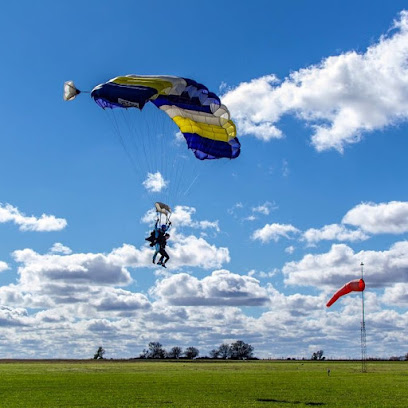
{"x":70,"y":91}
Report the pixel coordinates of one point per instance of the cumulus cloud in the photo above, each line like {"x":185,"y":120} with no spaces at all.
{"x":368,"y":218}
{"x":10,"y":317}
{"x":61,"y":249}
{"x":193,"y":251}
{"x":83,"y":283}
{"x":3,"y":266}
{"x":274,"y":232}
{"x":264,"y":208}
{"x":81,"y":269}
{"x":122,"y":301}
{"x":391,"y":217}
{"x":341,"y":264}
{"x":341,"y":98}
{"x":155,"y":182}
{"x":221,"y":288}
{"x":8,"y":213}
{"x":182,"y":216}
{"x":396,"y":295}
{"x":333,"y":232}
{"x":234,"y":208}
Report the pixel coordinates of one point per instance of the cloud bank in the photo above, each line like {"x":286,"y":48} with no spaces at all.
{"x":8,"y":213}
{"x":341,"y":98}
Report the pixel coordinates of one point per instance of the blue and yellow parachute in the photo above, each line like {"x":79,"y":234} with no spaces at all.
{"x":202,"y":119}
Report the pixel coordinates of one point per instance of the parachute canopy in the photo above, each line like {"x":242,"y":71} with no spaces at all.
{"x":357,"y":285}
{"x":163,"y":208}
{"x":204,"y":122}
{"x":70,"y":91}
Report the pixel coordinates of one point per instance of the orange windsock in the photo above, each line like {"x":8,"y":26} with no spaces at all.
{"x":357,"y":285}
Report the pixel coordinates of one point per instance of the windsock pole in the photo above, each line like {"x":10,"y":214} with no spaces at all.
{"x":363,"y":330}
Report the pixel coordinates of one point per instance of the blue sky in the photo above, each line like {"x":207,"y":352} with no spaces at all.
{"x":319,"y":93}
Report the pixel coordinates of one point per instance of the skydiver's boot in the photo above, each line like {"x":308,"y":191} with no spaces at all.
{"x":163,"y":265}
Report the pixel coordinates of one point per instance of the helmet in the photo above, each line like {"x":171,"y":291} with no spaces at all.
{"x":163,"y":227}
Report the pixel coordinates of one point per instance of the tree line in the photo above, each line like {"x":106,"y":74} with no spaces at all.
{"x":239,"y":350}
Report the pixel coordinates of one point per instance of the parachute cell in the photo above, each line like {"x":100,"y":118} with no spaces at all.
{"x":357,"y":285}
{"x":199,"y":114}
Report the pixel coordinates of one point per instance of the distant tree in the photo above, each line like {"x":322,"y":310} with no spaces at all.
{"x":144,"y":354}
{"x":241,"y":350}
{"x":99,"y":353}
{"x":191,"y":352}
{"x":406,"y":357}
{"x":156,"y":350}
{"x":215,"y":353}
{"x":175,"y":352}
{"x":318,"y":355}
{"x":394,"y":358}
{"x":224,"y":351}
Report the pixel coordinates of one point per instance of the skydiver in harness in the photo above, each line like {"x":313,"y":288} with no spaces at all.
{"x":162,"y":251}
{"x":159,"y":238}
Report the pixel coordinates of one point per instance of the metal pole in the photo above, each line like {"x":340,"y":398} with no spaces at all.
{"x":363,"y":330}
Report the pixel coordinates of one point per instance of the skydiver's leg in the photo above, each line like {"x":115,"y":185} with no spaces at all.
{"x":164,"y":254}
{"x":156,"y":252}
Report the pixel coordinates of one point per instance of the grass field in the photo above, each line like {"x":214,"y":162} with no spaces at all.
{"x":269,"y":384}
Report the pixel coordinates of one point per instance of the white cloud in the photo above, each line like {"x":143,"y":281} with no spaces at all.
{"x":8,"y":213}
{"x":58,"y":248}
{"x":184,"y":309}
{"x":368,"y":218}
{"x":333,"y":232}
{"x":250,"y":218}
{"x":290,"y":249}
{"x":341,"y":264}
{"x":12,"y":317}
{"x":274,"y":232}
{"x":391,"y":217}
{"x":396,"y":295}
{"x":122,"y":301}
{"x":234,"y":208}
{"x":179,"y":138}
{"x":155,"y":182}
{"x":182,"y":216}
{"x":3,"y":266}
{"x":264,"y":208}
{"x":342,"y":97}
{"x":220,"y":288}
{"x":63,"y":279}
{"x":193,"y":251}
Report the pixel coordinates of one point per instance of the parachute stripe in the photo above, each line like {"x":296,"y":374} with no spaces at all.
{"x":207,"y":149}
{"x":202,"y":117}
{"x":182,"y":102}
{"x":214,"y":132}
{"x":122,"y":96}
{"x":158,"y":84}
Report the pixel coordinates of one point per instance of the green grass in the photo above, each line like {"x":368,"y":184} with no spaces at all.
{"x":269,"y":384}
